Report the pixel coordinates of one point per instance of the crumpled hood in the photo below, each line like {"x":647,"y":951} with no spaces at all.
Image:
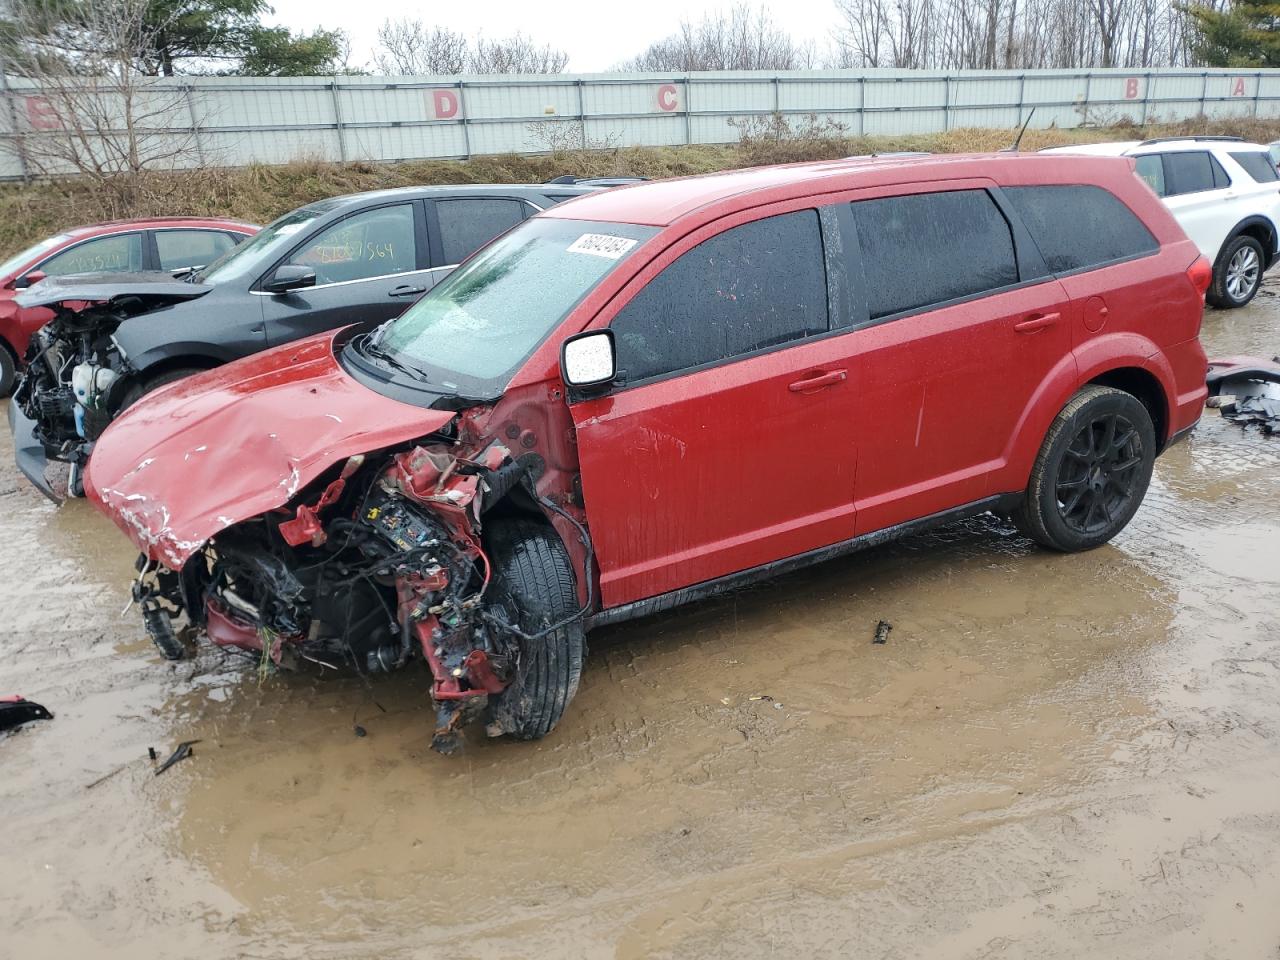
{"x":224,"y":446}
{"x":151,"y":288}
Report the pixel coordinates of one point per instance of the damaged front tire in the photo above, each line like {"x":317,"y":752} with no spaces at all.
{"x":534,"y":589}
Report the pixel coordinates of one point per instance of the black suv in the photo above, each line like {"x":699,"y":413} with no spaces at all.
{"x":362,"y":257}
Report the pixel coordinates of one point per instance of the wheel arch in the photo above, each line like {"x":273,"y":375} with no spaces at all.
{"x":1141,"y":383}
{"x":179,"y":362}
{"x":1261,"y":229}
{"x":1120,"y":357}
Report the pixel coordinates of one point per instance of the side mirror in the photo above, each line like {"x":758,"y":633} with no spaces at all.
{"x":588,"y":360}
{"x":290,"y":276}
{"x":29,"y":279}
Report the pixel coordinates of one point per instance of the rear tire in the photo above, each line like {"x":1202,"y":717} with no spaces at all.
{"x":140,"y":390}
{"x":1238,"y":273}
{"x":533,"y":587}
{"x":1092,"y":471}
{"x":8,"y":369}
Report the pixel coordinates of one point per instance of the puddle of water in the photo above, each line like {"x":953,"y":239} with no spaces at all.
{"x":1050,"y":756}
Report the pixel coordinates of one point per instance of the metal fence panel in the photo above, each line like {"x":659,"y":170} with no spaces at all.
{"x":241,"y":120}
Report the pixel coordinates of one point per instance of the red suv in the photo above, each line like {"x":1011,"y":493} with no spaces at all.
{"x":647,"y":396}
{"x":123,"y":246}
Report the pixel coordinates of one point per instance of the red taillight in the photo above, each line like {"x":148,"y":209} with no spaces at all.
{"x":1200,"y":274}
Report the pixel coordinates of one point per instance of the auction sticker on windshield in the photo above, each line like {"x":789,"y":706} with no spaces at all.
{"x":602,"y":245}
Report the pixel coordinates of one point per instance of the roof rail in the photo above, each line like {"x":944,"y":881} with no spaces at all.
{"x":567,"y":181}
{"x":1176,"y":139}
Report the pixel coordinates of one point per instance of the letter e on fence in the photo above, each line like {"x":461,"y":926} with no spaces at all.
{"x":1237,"y":87}
{"x":445,"y":104}
{"x":667,"y":98}
{"x":1132,"y":88}
{"x":41,"y":115}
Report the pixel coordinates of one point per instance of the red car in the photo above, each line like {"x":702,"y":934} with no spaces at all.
{"x":123,"y":246}
{"x":647,"y":396}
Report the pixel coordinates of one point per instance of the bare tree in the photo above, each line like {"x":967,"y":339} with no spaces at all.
{"x":408,"y":47}
{"x":741,"y":39}
{"x":1011,"y":34}
{"x":516,"y":54}
{"x":90,"y":111}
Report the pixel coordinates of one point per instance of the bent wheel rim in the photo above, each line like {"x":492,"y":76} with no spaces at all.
{"x":1099,"y":474}
{"x":1242,"y":273}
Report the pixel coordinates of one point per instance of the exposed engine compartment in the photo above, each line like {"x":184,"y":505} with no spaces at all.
{"x":75,"y":377}
{"x":378,"y":563}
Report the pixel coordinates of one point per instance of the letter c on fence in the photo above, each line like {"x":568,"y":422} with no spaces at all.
{"x":41,"y":115}
{"x":1131,"y":88}
{"x":1237,"y":87}
{"x":445,"y":104}
{"x":667,"y":97}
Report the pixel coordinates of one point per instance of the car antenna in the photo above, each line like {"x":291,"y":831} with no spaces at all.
{"x":1017,"y":142}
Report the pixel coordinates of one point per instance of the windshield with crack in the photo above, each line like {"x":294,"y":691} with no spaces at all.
{"x":470,"y":334}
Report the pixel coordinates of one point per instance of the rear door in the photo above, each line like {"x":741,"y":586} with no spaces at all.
{"x":1202,"y":198}
{"x":370,"y":265}
{"x":188,"y":248}
{"x":731,"y":442}
{"x":963,"y":327}
{"x":460,"y":226}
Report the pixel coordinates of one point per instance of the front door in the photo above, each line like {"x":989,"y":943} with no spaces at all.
{"x":731,"y":442}
{"x":369,"y":266}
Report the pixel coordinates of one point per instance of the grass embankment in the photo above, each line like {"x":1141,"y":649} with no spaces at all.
{"x":262,"y":193}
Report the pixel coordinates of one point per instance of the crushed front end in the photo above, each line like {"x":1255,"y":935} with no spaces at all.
{"x":378,"y":563}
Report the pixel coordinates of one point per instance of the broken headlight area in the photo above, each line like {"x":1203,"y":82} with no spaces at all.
{"x":378,"y":567}
{"x":75,"y":379}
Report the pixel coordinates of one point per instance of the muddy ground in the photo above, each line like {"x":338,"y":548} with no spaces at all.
{"x":1050,"y":757}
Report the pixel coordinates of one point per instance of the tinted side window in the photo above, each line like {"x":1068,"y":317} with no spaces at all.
{"x":755,"y":286}
{"x":1257,"y":165}
{"x":1080,"y":226}
{"x":1151,"y":169}
{"x":104,"y":255}
{"x":191,"y":248}
{"x":467,"y":225}
{"x":930,"y":248}
{"x":1192,"y":171}
{"x":370,"y":244}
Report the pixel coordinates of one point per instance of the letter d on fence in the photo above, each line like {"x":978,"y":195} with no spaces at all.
{"x":41,"y":115}
{"x":445,"y":104}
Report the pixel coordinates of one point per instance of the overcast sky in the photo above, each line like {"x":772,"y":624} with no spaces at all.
{"x":596,"y":36}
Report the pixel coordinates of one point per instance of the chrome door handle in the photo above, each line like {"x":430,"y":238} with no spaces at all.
{"x":818,"y":381}
{"x":1038,"y":322}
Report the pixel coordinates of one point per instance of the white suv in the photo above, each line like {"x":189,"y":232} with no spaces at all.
{"x":1223,"y":191}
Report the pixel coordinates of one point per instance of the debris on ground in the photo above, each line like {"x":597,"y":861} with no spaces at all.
{"x":761,"y":696}
{"x":882,"y":631}
{"x":1246,"y":390}
{"x":181,"y":752}
{"x":16,"y":710}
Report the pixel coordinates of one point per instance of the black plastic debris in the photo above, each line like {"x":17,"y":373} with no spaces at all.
{"x":181,"y":752}
{"x":16,"y":710}
{"x":1246,"y":390}
{"x":882,"y":631}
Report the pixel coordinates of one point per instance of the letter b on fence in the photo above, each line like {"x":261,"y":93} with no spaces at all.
{"x":1132,"y":88}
